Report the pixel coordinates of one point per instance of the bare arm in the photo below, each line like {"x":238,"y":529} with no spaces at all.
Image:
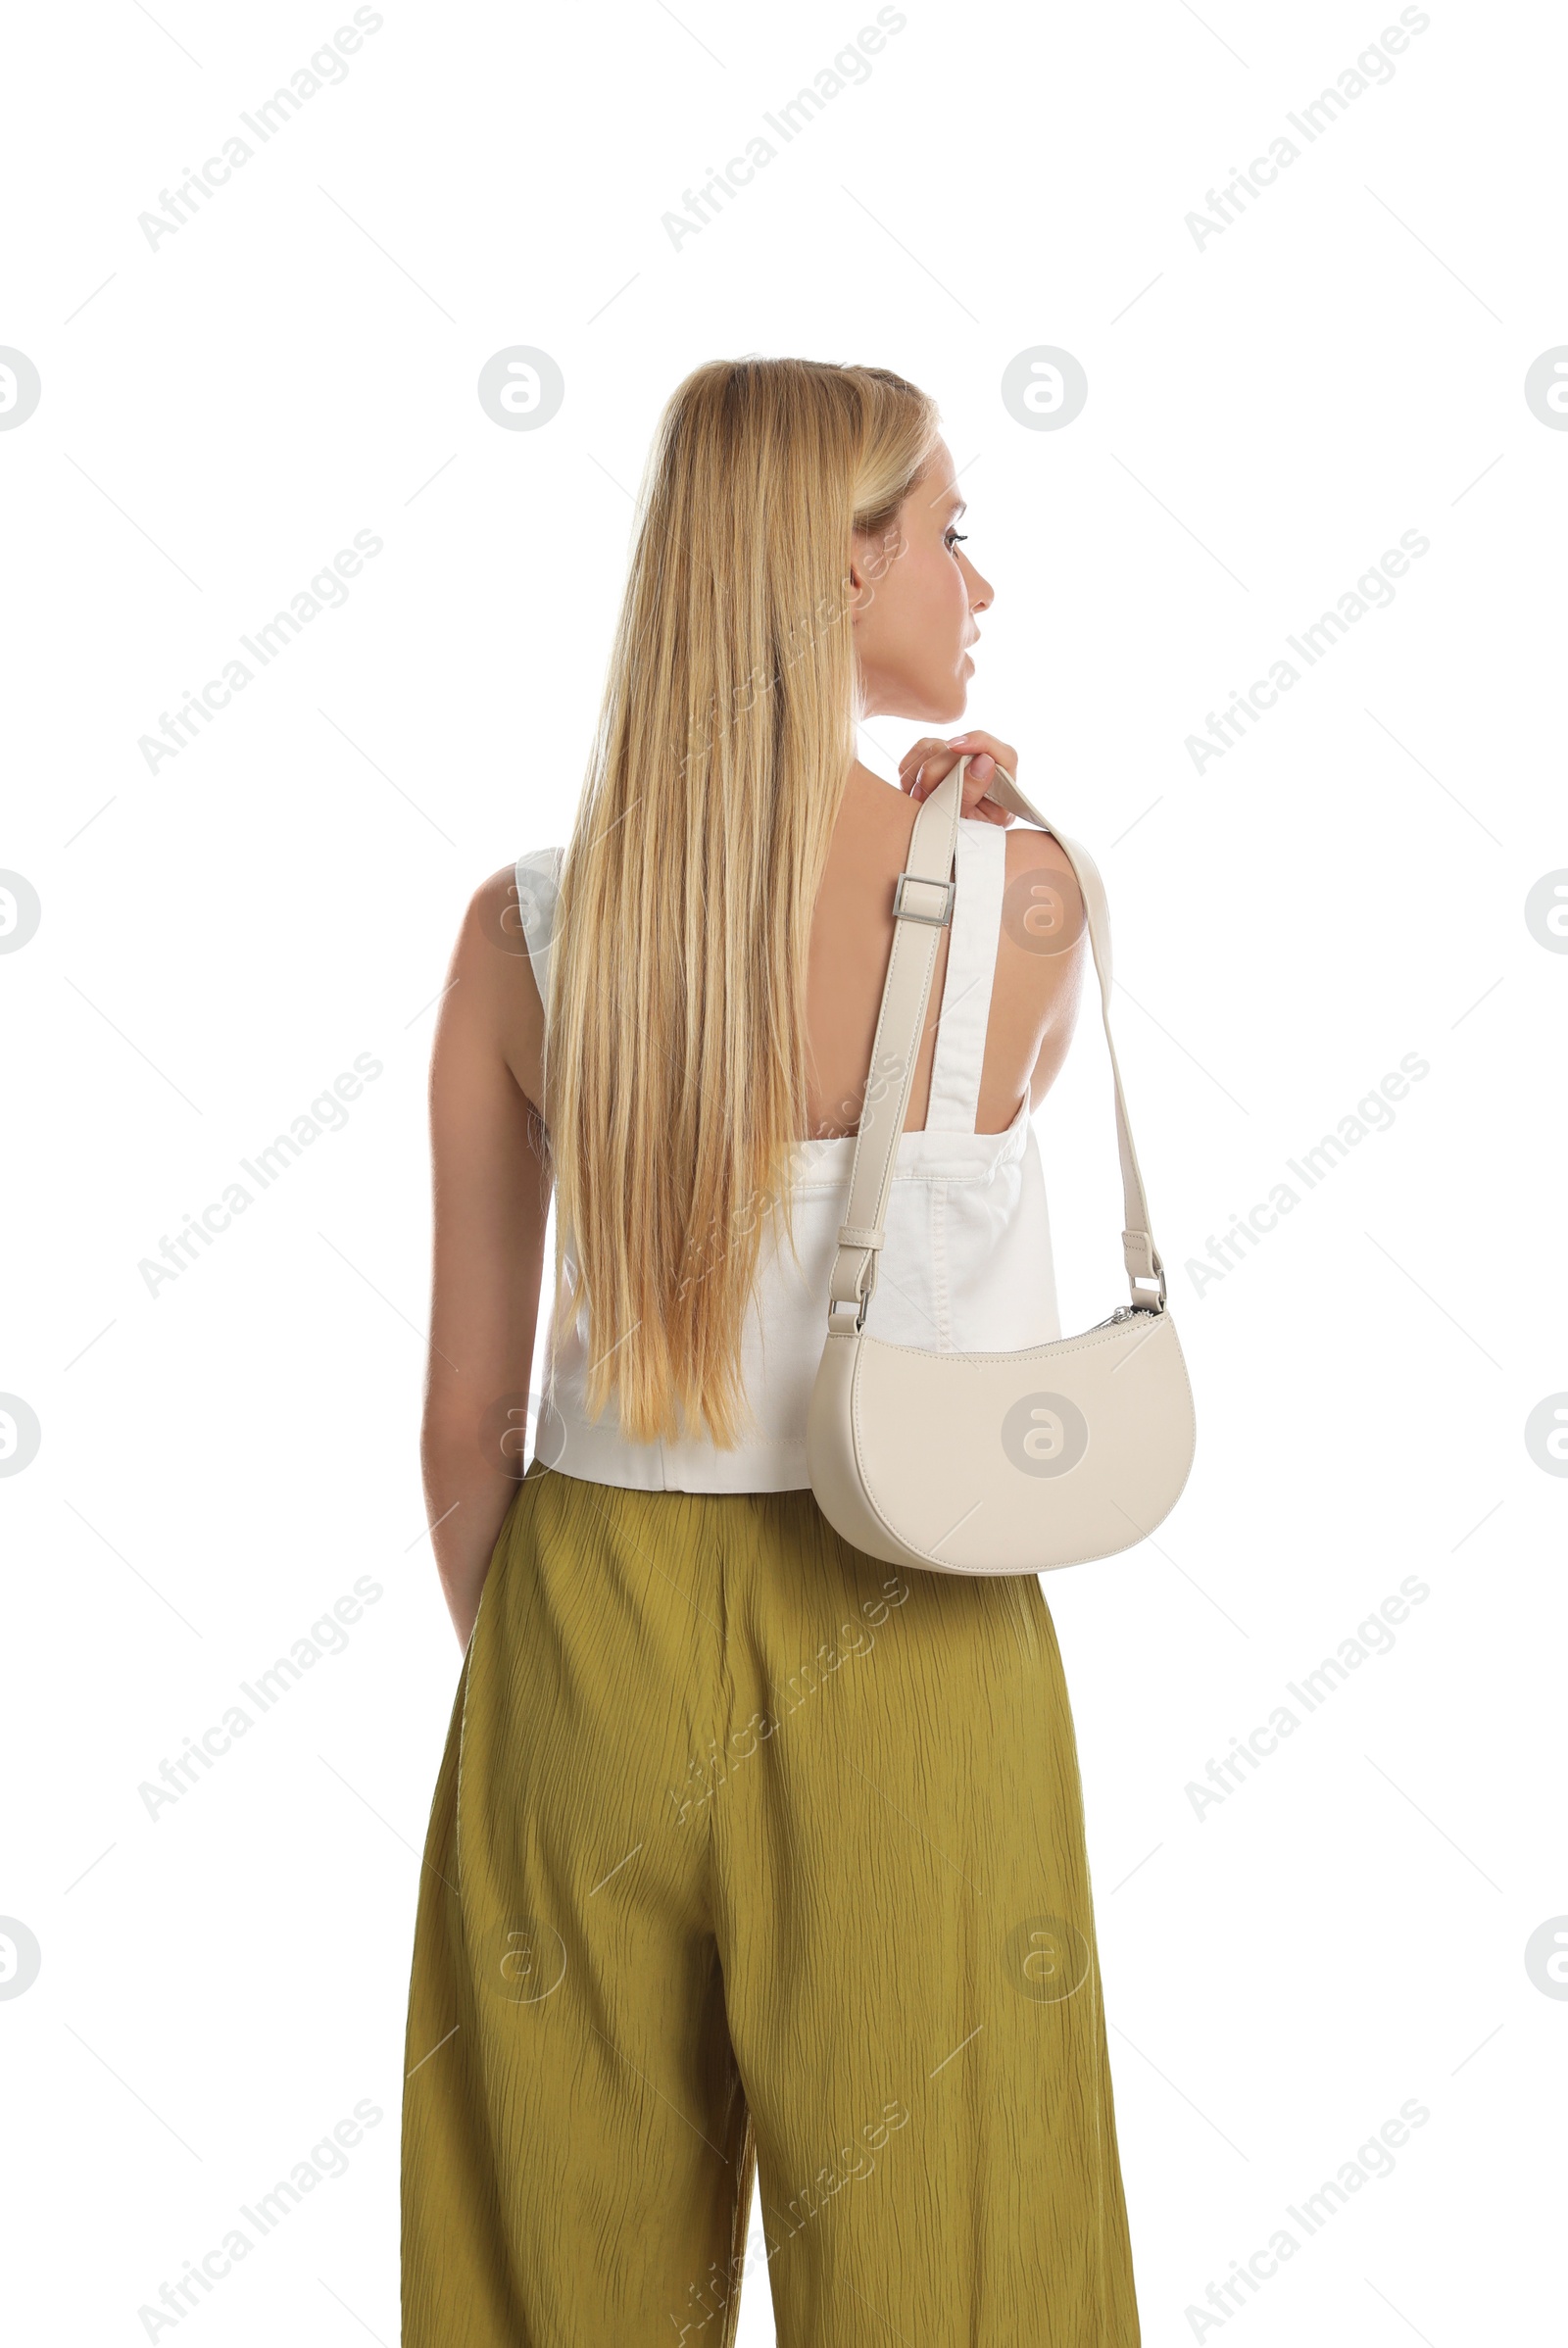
{"x":1045,"y":925}
{"x":492,"y":1185}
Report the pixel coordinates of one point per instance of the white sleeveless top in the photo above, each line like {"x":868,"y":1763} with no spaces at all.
{"x":966,"y":1264}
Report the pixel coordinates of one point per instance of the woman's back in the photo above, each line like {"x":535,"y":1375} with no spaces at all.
{"x":1037,"y":971}
{"x":967,"y":1260}
{"x":1034,"y":985}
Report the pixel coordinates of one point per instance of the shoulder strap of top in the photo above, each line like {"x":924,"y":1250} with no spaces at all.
{"x":922,"y":904}
{"x":538,"y":877}
{"x":980,"y":879}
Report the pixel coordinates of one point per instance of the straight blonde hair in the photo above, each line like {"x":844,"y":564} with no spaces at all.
{"x":675,"y":1049}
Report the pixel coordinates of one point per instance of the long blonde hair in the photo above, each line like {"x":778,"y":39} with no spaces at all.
{"x":676,"y":1050}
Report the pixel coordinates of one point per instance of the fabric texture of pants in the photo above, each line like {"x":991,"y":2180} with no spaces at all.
{"x":751,"y":1854}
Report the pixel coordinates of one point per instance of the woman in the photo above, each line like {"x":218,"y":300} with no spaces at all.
{"x":748,"y":1851}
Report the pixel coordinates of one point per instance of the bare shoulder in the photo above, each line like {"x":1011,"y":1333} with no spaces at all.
{"x":1040,"y":961}
{"x":1042,"y":921}
{"x":492,"y":1004}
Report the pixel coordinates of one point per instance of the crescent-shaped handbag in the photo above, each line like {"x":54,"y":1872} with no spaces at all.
{"x":988,"y":1463}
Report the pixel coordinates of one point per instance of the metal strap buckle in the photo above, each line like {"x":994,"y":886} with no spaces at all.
{"x":1142,"y":1300}
{"x":923,"y":880}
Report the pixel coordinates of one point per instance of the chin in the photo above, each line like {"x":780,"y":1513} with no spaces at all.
{"x":922,"y":705}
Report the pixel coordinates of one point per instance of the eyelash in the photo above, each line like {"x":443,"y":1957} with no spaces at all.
{"x":955,"y":537}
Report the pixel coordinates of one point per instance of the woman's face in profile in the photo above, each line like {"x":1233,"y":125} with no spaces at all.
{"x":916,"y":598}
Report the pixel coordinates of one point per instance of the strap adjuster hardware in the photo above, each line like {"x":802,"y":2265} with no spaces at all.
{"x":1143,"y":1301}
{"x":922,"y":880}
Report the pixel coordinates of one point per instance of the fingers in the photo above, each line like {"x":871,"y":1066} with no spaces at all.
{"x":986,"y":751}
{"x":930,"y":760}
{"x":924,"y":765}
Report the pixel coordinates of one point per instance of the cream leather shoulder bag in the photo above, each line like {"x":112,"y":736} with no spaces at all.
{"x":988,"y":1463}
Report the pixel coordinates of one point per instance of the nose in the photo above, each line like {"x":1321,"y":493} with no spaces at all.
{"x":980,"y":589}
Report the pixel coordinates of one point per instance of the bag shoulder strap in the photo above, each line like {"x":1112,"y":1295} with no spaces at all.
{"x":922,"y":905}
{"x":960,"y":1016}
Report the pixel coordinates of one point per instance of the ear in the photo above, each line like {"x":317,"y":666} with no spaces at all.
{"x":867,"y":564}
{"x":871,"y":557}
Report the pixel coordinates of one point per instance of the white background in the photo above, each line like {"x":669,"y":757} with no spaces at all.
{"x":220,"y":1461}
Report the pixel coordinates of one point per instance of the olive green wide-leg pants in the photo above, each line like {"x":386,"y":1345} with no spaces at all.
{"x":749,"y":1852}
